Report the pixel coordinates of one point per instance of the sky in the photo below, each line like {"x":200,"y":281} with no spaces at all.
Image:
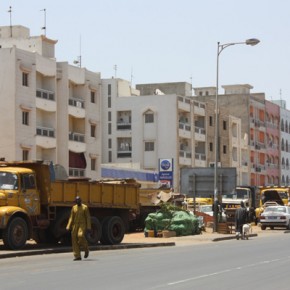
{"x":156,"y":41}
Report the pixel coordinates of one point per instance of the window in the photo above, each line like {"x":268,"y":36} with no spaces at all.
{"x":25,"y":155}
{"x":24,"y":79}
{"x":93,"y":94}
{"x":28,"y":181}
{"x":149,"y":118}
{"x":149,"y":146}
{"x":109,"y":116}
{"x":110,"y":143}
{"x":225,"y":125}
{"x":109,"y":90}
{"x":93,"y":130}
{"x":225,"y":149}
{"x":109,"y":102}
{"x":109,"y":128}
{"x":25,"y":118}
{"x":93,"y":164}
{"x":110,"y":156}
{"x":210,"y":120}
{"x":210,"y":146}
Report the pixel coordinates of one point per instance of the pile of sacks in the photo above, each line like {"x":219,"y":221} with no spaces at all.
{"x":180,"y":221}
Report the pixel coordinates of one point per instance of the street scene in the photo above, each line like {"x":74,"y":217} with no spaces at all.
{"x":144,"y":144}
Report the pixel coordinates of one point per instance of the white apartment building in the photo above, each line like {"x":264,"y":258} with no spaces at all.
{"x":143,"y":129}
{"x":49,"y":110}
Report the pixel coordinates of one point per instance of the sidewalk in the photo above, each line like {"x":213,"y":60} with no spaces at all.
{"x":132,"y":240}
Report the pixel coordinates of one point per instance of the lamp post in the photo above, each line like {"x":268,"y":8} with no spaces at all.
{"x":220,"y":48}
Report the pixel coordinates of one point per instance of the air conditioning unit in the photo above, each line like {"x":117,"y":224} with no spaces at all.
{"x":79,"y":104}
{"x":212,"y":164}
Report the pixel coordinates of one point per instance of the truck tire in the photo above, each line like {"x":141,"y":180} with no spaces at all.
{"x":96,"y":232}
{"x":16,"y":234}
{"x":113,"y":230}
{"x":58,"y":229}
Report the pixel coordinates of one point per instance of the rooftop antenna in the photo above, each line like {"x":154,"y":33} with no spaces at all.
{"x":10,"y":11}
{"x":115,"y":68}
{"x":132,"y":76}
{"x":44,"y":26}
{"x":79,"y":60}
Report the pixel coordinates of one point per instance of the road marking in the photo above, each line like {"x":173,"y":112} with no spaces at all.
{"x":225,"y":271}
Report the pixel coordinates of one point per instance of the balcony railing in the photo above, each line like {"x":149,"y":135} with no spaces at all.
{"x":76,"y":172}
{"x":78,"y":137}
{"x":200,"y":156}
{"x":184,"y":126}
{"x":184,"y":154}
{"x":43,"y":131}
{"x":199,"y":130}
{"x":45,"y":94}
{"x":76,"y":103}
{"x":123,"y":126}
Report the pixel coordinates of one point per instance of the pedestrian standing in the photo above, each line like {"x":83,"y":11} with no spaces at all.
{"x":240,"y":219}
{"x":79,"y":223}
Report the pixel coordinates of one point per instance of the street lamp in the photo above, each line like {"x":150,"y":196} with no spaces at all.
{"x":220,"y":48}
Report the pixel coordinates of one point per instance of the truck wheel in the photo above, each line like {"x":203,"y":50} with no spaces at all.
{"x":43,"y":236}
{"x":96,"y":231}
{"x":113,"y":231}
{"x":59,"y":228}
{"x":263,"y":228}
{"x":16,"y":234}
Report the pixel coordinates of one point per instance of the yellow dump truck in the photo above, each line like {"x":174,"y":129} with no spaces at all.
{"x":35,"y":206}
{"x":272,"y":195}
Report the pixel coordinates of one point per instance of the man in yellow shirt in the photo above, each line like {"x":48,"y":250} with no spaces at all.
{"x":79,"y":223}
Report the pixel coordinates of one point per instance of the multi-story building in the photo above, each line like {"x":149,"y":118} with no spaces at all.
{"x":284,"y":143}
{"x":260,"y":130}
{"x":163,"y":124}
{"x":49,"y":110}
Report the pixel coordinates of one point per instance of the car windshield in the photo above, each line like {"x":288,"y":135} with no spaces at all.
{"x":275,"y":209}
{"x":206,"y":208}
{"x":8,"y":180}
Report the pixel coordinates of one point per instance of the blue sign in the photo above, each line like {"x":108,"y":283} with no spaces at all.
{"x":166,"y":172}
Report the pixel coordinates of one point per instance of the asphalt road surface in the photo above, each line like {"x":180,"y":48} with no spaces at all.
{"x":257,"y":263}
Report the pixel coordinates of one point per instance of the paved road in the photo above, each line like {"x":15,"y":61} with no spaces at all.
{"x":260,"y":263}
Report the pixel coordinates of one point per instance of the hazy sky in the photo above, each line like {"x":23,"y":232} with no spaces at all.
{"x":153,"y":41}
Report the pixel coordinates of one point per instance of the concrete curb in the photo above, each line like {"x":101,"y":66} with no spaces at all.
{"x":57,"y":250}
{"x":231,"y":238}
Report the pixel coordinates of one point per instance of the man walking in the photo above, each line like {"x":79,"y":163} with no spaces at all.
{"x":240,"y":219}
{"x":79,"y":223}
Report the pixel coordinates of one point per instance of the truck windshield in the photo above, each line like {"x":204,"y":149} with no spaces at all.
{"x":8,"y":180}
{"x":239,"y":193}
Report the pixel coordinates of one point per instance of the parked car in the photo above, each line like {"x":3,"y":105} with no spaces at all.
{"x":207,"y":209}
{"x":275,"y":216}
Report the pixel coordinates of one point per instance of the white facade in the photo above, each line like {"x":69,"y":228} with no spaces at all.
{"x":50,"y":110}
{"x":144,"y":129}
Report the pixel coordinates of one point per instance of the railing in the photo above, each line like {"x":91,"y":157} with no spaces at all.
{"x":123,"y":126}
{"x":79,"y":103}
{"x":184,"y":154}
{"x":199,"y":130}
{"x":76,"y":137}
{"x":43,"y":131}
{"x":184,"y":126}
{"x":45,"y":94}
{"x":200,"y":156}
{"x":76,"y":172}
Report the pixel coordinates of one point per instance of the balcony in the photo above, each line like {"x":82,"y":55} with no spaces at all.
{"x":184,"y":157}
{"x":184,"y":104}
{"x":199,"y":108}
{"x":77,"y":142}
{"x":45,"y":137}
{"x":200,"y":160}
{"x":124,"y":153}
{"x":123,"y":126}
{"x":184,"y":130}
{"x":45,"y":100}
{"x":76,"y":108}
{"x":199,"y":134}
